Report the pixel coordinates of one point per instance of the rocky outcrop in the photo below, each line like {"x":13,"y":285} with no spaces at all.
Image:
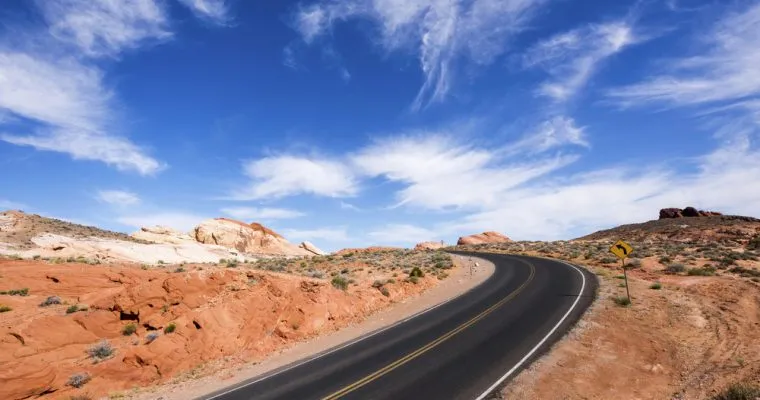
{"x":485,"y":237}
{"x":308,"y":246}
{"x":429,"y":245}
{"x":247,"y":238}
{"x":688,"y":212}
{"x":162,"y":234}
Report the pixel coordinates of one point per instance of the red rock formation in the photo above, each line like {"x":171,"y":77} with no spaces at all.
{"x":688,"y":212}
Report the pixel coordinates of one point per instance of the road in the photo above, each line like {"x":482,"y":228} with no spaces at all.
{"x":463,"y":349}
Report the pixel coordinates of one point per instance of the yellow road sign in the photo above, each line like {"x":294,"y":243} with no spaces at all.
{"x":621,"y":249}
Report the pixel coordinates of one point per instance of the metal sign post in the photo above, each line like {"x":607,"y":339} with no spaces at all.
{"x":622,"y":250}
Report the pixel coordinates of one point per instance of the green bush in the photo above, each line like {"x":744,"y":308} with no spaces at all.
{"x":377,"y":284}
{"x":416,"y":272}
{"x":340,"y":282}
{"x":704,"y":271}
{"x":78,"y":380}
{"x":754,"y":243}
{"x":675,"y":268}
{"x":385,"y":291}
{"x":16,"y":292}
{"x":656,"y":286}
{"x":100,"y":351}
{"x":738,"y":391}
{"x":74,"y":308}
{"x":129,"y":329}
{"x":622,"y":301}
{"x":4,"y":308}
{"x":414,"y":279}
{"x":170,"y":328}
{"x":665,"y":260}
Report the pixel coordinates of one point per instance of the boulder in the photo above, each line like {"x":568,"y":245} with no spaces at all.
{"x":308,"y":246}
{"x":670,"y":213}
{"x":247,"y":238}
{"x":162,"y":234}
{"x":688,"y":212}
{"x":485,"y":237}
{"x":429,"y":245}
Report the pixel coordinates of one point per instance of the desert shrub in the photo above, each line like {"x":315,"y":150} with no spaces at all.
{"x":414,"y":279}
{"x":385,"y":291}
{"x":232,"y":263}
{"x":633,"y":263}
{"x":50,"y":301}
{"x":129,"y":329}
{"x":74,"y":308}
{"x":704,"y":271}
{"x":754,"y":243}
{"x":179,"y":269}
{"x":622,"y":301}
{"x":149,"y":338}
{"x":656,"y":286}
{"x":675,"y":268}
{"x":340,"y":282}
{"x":738,"y":391}
{"x":16,"y":292}
{"x":100,"y":351}
{"x":744,"y":271}
{"x":78,"y":380}
{"x":665,"y":260}
{"x":416,"y":272}
{"x":4,"y":308}
{"x":170,"y":328}
{"x":608,"y":260}
{"x":348,"y":255}
{"x":160,"y":262}
{"x":377,"y":284}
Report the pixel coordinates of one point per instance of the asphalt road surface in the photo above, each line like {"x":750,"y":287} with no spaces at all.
{"x":464,"y":349}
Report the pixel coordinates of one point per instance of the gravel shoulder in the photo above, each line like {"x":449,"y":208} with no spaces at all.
{"x":462,"y":279}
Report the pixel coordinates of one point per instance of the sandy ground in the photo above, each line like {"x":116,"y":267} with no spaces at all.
{"x":458,"y":283}
{"x":688,"y":340}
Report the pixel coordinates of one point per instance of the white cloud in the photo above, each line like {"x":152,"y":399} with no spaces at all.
{"x":443,"y":31}
{"x":216,"y":11}
{"x":286,"y":175}
{"x":402,"y":234}
{"x":573,"y":57}
{"x":252,"y":213}
{"x":439,"y":172}
{"x":105,"y":27}
{"x":727,"y":72}
{"x":555,"y":132}
{"x":64,"y":95}
{"x":562,"y":209}
{"x":118,"y":197}
{"x":181,"y":221}
{"x":329,"y":234}
{"x":348,"y":206}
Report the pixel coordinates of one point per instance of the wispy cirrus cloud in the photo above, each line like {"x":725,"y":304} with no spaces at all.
{"x":572,"y":57}
{"x":105,"y":27}
{"x":438,"y":171}
{"x":265,"y":213}
{"x":215,"y":11}
{"x":444,"y":32}
{"x":118,"y":197}
{"x":287,"y":175}
{"x":726,"y":71}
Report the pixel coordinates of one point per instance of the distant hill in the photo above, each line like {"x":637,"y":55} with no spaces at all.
{"x":721,"y":228}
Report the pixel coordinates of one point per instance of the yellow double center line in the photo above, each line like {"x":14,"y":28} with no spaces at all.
{"x":411,"y":356}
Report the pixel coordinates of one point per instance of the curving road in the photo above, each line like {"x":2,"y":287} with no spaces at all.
{"x":463,"y":349}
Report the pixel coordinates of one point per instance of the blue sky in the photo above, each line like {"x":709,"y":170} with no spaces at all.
{"x":360,"y":122}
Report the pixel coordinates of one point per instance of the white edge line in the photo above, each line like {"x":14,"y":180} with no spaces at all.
{"x":341,"y":347}
{"x":534,"y":349}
